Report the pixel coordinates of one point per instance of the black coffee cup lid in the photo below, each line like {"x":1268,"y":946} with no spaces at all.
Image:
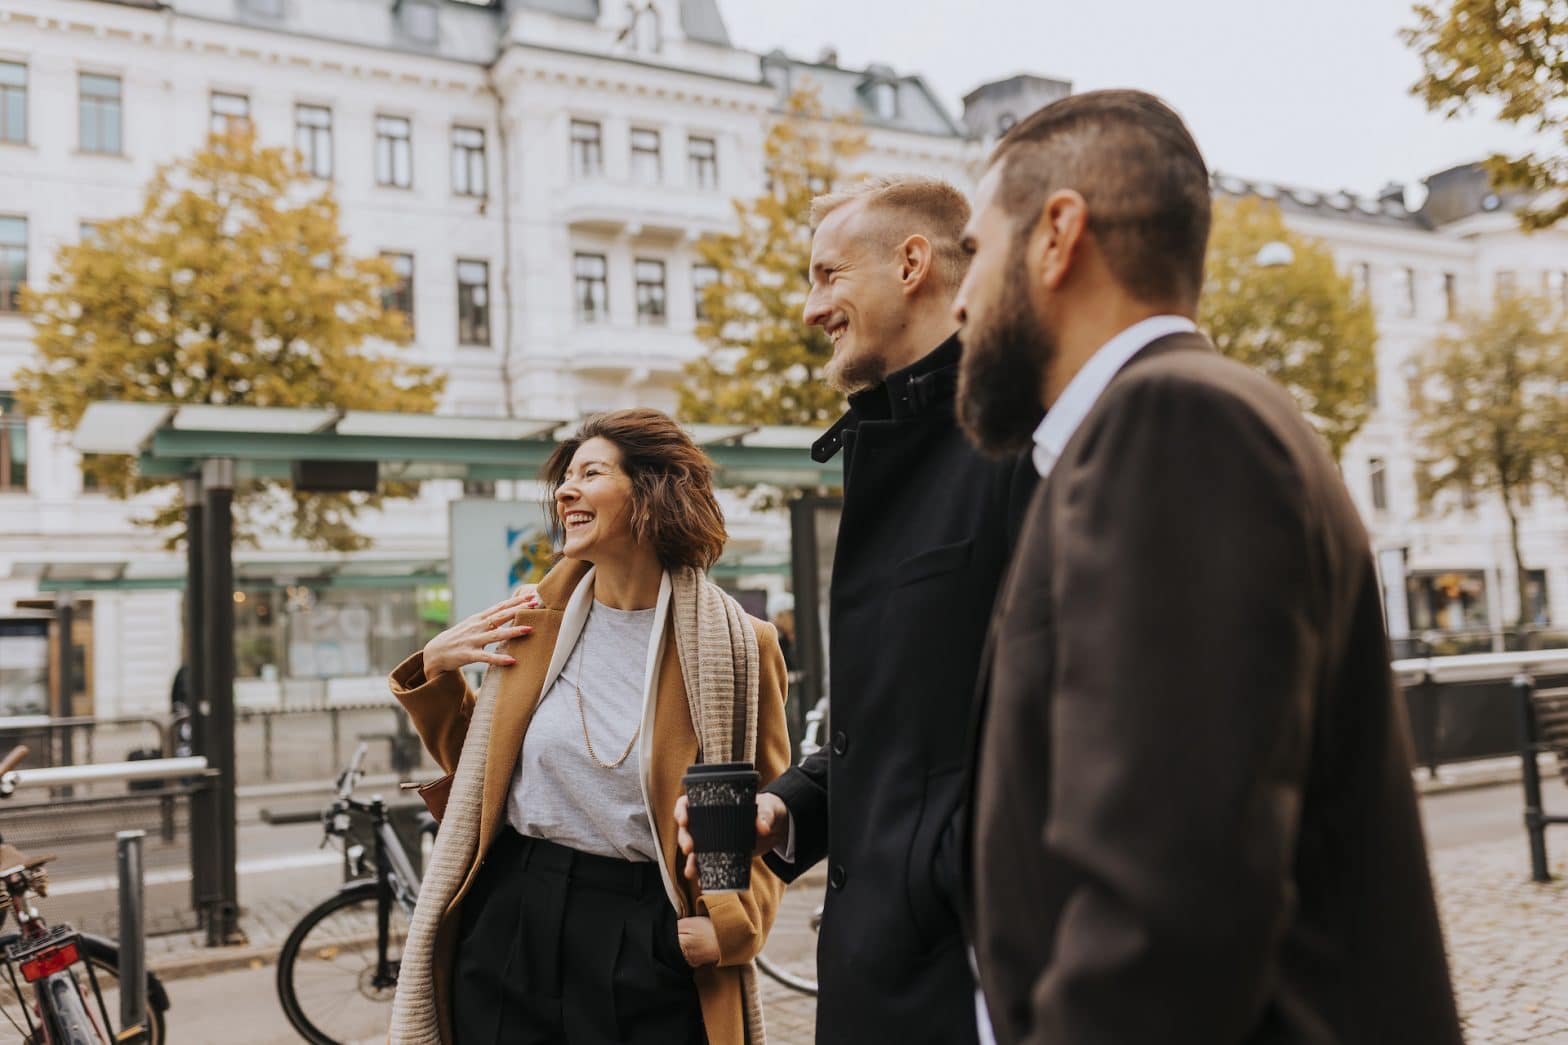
{"x":715,"y":768}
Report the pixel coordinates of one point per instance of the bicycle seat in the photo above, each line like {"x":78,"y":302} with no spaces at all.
{"x":13,"y":860}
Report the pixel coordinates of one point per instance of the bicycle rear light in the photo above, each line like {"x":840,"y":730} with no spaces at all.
{"x":50,"y":961}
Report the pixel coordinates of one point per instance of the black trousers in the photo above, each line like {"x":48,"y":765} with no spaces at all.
{"x":559,"y":947}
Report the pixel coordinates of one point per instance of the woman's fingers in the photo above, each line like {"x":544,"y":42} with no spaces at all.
{"x":505,"y":660}
{"x":509,"y":631}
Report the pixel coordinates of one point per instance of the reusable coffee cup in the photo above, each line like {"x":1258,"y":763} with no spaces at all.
{"x":721,"y":807}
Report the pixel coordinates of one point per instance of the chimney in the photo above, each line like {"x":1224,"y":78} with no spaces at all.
{"x":829,"y":56}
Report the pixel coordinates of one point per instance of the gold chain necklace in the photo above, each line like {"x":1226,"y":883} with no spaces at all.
{"x":582,"y":715}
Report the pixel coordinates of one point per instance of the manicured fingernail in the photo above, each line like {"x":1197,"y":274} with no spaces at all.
{"x":510,"y":661}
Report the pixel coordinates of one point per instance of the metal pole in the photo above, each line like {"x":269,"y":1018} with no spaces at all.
{"x":64,"y":682}
{"x":804,"y":573}
{"x":133,"y":940}
{"x":203,"y":845}
{"x":217,"y":600}
{"x":1530,"y":775}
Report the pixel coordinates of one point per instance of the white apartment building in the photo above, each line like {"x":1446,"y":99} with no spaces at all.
{"x":541,"y":171}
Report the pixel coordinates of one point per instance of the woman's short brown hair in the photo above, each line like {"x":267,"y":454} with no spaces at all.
{"x":673,"y":506}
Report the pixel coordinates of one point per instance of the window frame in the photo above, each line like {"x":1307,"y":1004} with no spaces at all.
{"x":6,"y":90}
{"x":394,"y":146}
{"x":317,"y":134}
{"x":587,"y":153}
{"x":1377,"y":483}
{"x":100,"y":105}
{"x":220,"y":122}
{"x":12,"y":423}
{"x":702,"y":171}
{"x":473,"y":314}
{"x":582,"y":281}
{"x":699,"y":284}
{"x":403,"y":289}
{"x":653,"y":309}
{"x":644,"y":154}
{"x":11,"y":292}
{"x":472,"y":161}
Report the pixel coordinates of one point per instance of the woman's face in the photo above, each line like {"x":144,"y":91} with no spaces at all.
{"x":594,"y":503}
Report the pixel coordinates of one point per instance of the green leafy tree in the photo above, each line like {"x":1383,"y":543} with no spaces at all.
{"x":1511,"y":54}
{"x":763,"y":364}
{"x":232,"y":285}
{"x":1489,"y":410}
{"x":1299,"y":322}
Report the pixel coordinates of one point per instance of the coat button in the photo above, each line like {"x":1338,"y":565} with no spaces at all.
{"x":837,"y":876}
{"x":840,"y":743}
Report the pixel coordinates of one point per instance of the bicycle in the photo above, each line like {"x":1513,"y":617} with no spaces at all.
{"x":48,"y":958}
{"x":338,"y":969}
{"x":810,"y":744}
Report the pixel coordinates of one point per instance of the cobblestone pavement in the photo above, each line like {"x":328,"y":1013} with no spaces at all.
{"x":1507,"y":942}
{"x":1505,"y":934}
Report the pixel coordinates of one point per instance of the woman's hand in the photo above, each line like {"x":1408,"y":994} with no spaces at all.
{"x":464,"y":643}
{"x":699,"y":942}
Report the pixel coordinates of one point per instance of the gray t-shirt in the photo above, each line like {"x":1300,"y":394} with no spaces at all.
{"x":558,"y":793}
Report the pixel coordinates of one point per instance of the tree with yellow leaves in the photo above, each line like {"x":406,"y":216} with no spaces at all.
{"x":232,"y":285}
{"x":763,"y":364}
{"x":1301,"y":322}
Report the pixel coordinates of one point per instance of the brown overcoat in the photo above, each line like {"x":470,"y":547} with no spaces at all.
{"x":441,"y":708}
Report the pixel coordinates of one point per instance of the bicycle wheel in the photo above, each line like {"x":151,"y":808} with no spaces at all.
{"x":786,"y":978}
{"x":105,"y":958}
{"x":327,"y":969}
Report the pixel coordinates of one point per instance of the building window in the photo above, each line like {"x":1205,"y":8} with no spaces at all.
{"x":13,"y":261}
{"x":1450,"y":295}
{"x":884,"y":99}
{"x":702,"y":159}
{"x":13,"y":445}
{"x":645,"y":156}
{"x":587,"y":149}
{"x":473,"y":303}
{"x":702,"y":277}
{"x":1361,"y":280}
{"x":394,"y":152}
{"x":87,"y":231}
{"x":650,"y":292}
{"x":645,"y":30}
{"x":1555,"y":284}
{"x":230,"y":112}
{"x":1540,"y":609}
{"x":593,"y":288}
{"x":419,"y":20}
{"x":1405,"y":292}
{"x":399,"y":297}
{"x":468,"y":161}
{"x":1447,"y":601}
{"x":1507,"y":281}
{"x":99,"y":113}
{"x":1005,"y":123}
{"x":313,"y":138}
{"x":13,"y":102}
{"x":1377,"y":473}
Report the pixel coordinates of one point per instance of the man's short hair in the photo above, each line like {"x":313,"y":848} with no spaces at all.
{"x":907,"y":204}
{"x":1140,"y":172}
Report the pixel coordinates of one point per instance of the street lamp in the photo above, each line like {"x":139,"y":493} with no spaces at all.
{"x":1274,"y":254}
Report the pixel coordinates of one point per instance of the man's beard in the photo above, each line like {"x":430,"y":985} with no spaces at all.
{"x":854,"y":373}
{"x":1002,"y":370}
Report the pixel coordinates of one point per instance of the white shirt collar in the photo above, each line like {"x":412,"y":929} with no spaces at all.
{"x":1086,"y":387}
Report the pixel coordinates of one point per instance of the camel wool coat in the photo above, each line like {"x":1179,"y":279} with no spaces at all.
{"x":440,"y":710}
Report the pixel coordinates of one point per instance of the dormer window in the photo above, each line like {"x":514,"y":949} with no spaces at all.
{"x":884,"y":99}
{"x":1005,"y":122}
{"x":643,"y":20}
{"x":419,"y":20}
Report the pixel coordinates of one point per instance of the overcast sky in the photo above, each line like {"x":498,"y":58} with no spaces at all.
{"x":1308,"y":93}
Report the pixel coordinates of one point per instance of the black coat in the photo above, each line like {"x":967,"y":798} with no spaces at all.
{"x":1194,"y":821}
{"x":927,"y":527}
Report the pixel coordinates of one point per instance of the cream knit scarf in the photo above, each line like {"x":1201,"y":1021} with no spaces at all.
{"x":720,"y":666}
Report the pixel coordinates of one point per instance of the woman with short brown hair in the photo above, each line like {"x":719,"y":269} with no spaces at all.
{"x":554,"y":909}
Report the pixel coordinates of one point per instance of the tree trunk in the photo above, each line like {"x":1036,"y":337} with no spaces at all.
{"x":1520,"y":573}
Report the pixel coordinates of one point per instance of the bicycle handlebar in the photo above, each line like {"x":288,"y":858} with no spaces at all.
{"x":351,"y":775}
{"x":13,"y":759}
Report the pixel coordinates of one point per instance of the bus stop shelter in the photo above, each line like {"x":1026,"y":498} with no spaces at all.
{"x":212,"y":448}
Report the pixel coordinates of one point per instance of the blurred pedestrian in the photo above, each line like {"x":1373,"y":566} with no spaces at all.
{"x":554,"y":909}
{"x":926,"y":529}
{"x":1192,"y":818}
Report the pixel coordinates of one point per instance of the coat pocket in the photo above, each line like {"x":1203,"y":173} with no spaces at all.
{"x":930,"y":908}
{"x":933,"y":562}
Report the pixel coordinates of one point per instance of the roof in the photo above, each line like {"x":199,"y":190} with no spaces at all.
{"x":845,"y":90}
{"x":700,"y":19}
{"x":171,"y":440}
{"x":1388,"y":211}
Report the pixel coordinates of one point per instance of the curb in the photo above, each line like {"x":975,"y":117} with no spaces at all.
{"x":218,"y":959}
